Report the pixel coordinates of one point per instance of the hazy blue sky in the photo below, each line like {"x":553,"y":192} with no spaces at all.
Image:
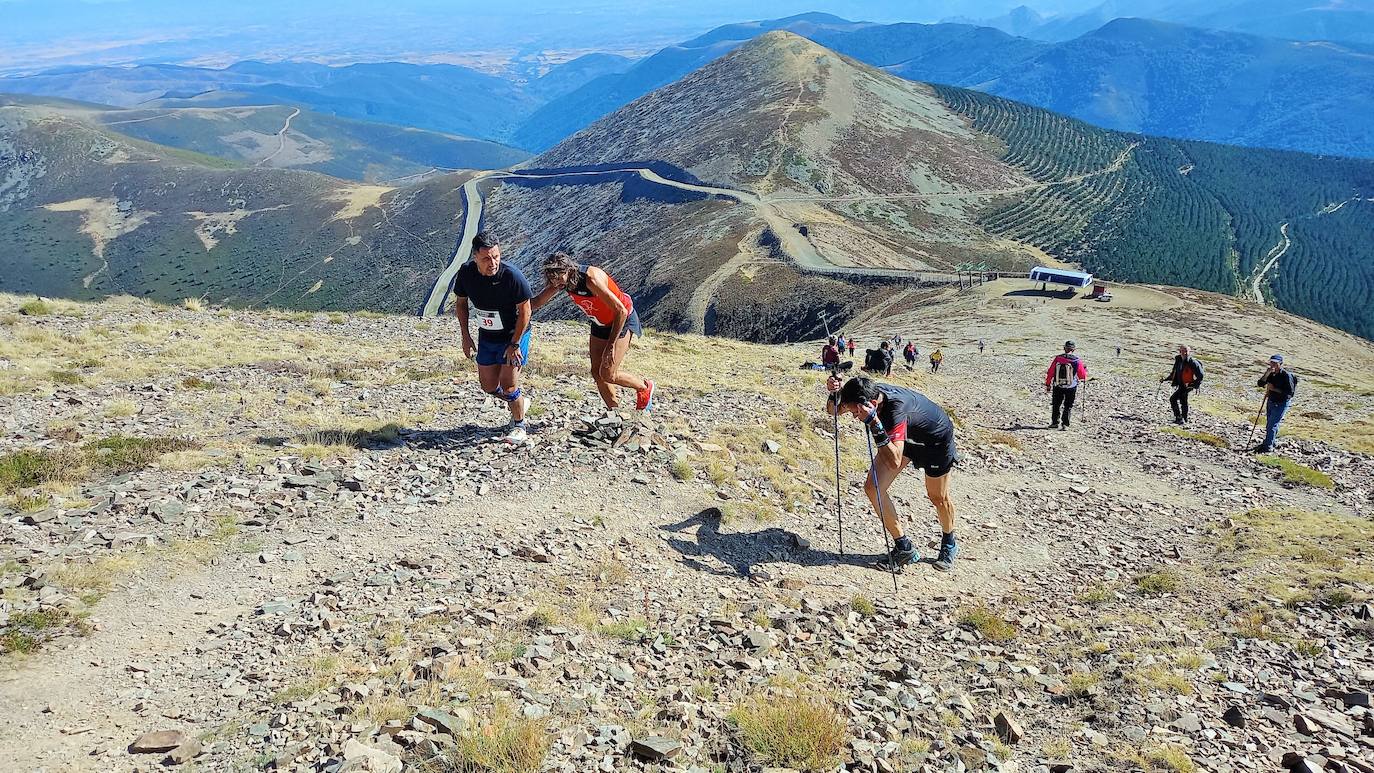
{"x":42,"y":33}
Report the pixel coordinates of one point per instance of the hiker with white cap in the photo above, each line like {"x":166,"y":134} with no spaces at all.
{"x":1278,"y":384}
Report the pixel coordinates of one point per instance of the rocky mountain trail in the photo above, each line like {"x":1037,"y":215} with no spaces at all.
{"x":348,"y":570}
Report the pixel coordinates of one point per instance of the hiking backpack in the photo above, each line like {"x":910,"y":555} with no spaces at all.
{"x":1066,"y":373}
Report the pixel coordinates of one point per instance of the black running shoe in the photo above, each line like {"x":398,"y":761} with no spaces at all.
{"x":900,"y":557}
{"x":945,"y":561}
{"x":1262,"y":450}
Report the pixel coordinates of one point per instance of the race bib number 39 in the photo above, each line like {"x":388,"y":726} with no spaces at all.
{"x":489,"y":320}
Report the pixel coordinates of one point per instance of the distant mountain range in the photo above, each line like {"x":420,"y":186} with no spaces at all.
{"x":290,"y":138}
{"x":1131,"y":75}
{"x":1127,"y":74}
{"x":441,"y":98}
{"x":1341,"y":21}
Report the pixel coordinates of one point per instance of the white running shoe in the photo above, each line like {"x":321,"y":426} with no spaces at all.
{"x":517,"y":434}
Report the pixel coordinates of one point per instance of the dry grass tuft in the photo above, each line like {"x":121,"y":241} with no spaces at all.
{"x":501,"y":743}
{"x":985,"y":621}
{"x":800,"y":731}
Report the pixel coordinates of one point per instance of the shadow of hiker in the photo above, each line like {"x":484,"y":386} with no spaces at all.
{"x":393,"y":436}
{"x":743,"y":551}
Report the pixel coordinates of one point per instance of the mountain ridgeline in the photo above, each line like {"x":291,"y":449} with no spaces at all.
{"x":804,"y":205}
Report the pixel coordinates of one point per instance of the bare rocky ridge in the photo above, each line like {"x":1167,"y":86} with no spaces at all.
{"x":342,"y":572}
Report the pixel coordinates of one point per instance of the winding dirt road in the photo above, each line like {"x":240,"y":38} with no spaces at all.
{"x":796,"y":245}
{"x":281,"y":138}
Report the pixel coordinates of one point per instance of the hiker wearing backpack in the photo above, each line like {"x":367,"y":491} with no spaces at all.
{"x":1066,"y":372}
{"x":908,"y":428}
{"x":852,"y":345}
{"x":1279,"y":384}
{"x":909,"y":354}
{"x":1185,"y":377}
{"x":936,"y":357}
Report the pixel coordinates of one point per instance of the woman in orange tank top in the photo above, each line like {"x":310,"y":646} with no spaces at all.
{"x":614,"y":324}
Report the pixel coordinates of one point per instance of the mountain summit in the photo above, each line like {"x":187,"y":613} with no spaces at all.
{"x":783,"y":115}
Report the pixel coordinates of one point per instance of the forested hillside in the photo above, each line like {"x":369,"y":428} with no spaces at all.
{"x":1291,"y":227}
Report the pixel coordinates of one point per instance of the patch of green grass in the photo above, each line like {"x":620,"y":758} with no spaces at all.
{"x":862,"y":606}
{"x":1297,"y":474}
{"x":336,"y":318}
{"x":682,"y":470}
{"x":27,"y":631}
{"x":1100,"y":593}
{"x":1203,"y":437}
{"x":629,"y":629}
{"x":65,"y":377}
{"x":985,"y":621}
{"x":117,"y":455}
{"x":30,"y":503}
{"x":121,"y":454}
{"x":196,"y":382}
{"x":1301,"y":556}
{"x":1160,"y":678}
{"x":36,"y":308}
{"x":25,"y":469}
{"x":1158,"y":582}
{"x":1168,"y":757}
{"x":804,"y":732}
{"x":1081,"y":684}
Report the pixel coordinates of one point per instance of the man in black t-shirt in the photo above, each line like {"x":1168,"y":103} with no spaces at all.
{"x":497,"y":295}
{"x":907,"y":428}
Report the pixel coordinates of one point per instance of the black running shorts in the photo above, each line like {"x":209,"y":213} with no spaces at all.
{"x":934,"y":460}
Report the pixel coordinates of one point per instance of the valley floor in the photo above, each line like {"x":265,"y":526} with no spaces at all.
{"x":344,"y":566}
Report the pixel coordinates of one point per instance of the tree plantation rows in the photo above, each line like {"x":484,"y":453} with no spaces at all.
{"x":1188,"y":213}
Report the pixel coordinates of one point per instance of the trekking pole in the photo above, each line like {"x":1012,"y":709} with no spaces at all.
{"x":878,"y":496}
{"x":839,"y":519}
{"x":1255,"y":426}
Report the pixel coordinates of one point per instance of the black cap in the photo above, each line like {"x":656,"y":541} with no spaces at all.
{"x":1069,"y":345}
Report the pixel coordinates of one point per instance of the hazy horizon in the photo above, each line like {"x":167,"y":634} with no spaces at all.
{"x":40,"y":35}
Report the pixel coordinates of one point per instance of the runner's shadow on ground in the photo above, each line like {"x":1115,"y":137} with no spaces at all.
{"x":742,"y":552}
{"x":456,"y":437}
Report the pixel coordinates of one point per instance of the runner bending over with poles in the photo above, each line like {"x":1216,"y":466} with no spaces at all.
{"x":614,"y":324}
{"x":907,"y":428}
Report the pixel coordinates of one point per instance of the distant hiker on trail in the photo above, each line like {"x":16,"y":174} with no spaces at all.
{"x":907,"y":428}
{"x":1066,"y":372}
{"x":909,"y":354}
{"x":1185,"y":377}
{"x":839,"y":342}
{"x":936,"y":357}
{"x":1118,"y":351}
{"x":498,"y":295}
{"x":852,"y":345}
{"x":830,"y":354}
{"x":980,"y":346}
{"x":614,"y":320}
{"x":897,"y":340}
{"x":1279,"y":384}
{"x":888,"y":356}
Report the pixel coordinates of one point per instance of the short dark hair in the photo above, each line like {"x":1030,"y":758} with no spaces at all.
{"x":485,"y":240}
{"x":859,"y":390}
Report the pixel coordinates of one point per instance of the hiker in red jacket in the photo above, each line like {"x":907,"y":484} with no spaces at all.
{"x":1066,"y":372}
